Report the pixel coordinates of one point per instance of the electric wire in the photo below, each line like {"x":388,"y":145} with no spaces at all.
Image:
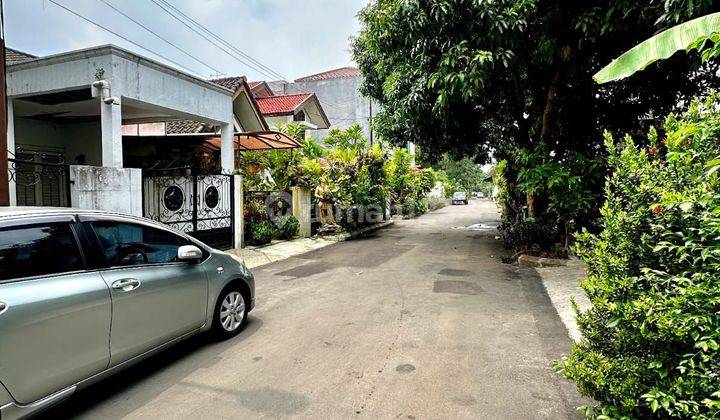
{"x":159,"y":36}
{"x":67,"y":9}
{"x":225,"y":42}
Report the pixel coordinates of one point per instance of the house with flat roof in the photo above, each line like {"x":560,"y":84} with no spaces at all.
{"x":67,"y":145}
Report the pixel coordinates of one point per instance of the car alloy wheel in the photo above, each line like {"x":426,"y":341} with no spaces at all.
{"x":232,"y":311}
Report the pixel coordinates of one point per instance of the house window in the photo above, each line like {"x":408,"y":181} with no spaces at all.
{"x":300,"y":116}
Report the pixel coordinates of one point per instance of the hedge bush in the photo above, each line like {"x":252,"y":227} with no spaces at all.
{"x":289,"y":227}
{"x":262,"y":232}
{"x":650,"y":341}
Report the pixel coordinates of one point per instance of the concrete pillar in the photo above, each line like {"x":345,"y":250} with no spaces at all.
{"x":11,"y":148}
{"x":239,"y":208}
{"x":111,"y":132}
{"x":227,"y":149}
{"x":301,"y":206}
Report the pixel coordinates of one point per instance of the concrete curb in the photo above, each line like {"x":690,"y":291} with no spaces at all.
{"x":359,"y":233}
{"x":260,"y":256}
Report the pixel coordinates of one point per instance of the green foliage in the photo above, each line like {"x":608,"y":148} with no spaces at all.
{"x":287,"y":168}
{"x":567,"y":185}
{"x":688,"y":35}
{"x":349,"y":138}
{"x":449,"y":185}
{"x":255,"y":209}
{"x":408,"y":183}
{"x":476,"y":78}
{"x":463,"y":175}
{"x":473,"y":76}
{"x":262,"y":232}
{"x":529,"y":235}
{"x":650,"y":346}
{"x":434,"y":203}
{"x":353,"y":176}
{"x":289,"y":227}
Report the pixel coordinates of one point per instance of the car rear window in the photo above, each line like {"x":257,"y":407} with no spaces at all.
{"x":38,"y":250}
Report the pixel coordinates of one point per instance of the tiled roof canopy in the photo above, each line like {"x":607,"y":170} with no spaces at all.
{"x":187,"y":127}
{"x":281,"y":105}
{"x":14,"y":56}
{"x":332,"y":74}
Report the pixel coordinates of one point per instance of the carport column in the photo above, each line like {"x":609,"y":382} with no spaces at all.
{"x":301,"y":206}
{"x":11,"y":149}
{"x":111,"y":131}
{"x":227,"y":149}
{"x":239,"y":208}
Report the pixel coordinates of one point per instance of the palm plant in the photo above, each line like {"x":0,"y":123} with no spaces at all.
{"x":691,"y":35}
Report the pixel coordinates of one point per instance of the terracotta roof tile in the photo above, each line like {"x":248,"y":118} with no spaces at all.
{"x":281,"y":104}
{"x":331,"y":74}
{"x":232,"y":83}
{"x":14,"y":56}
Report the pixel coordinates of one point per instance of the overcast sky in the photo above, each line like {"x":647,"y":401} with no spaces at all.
{"x":295,"y":38}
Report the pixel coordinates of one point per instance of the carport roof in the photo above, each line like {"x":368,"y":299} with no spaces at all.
{"x":108,"y":49}
{"x":257,"y":140}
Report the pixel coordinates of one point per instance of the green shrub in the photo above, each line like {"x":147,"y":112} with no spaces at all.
{"x":263,"y":232}
{"x":533,"y":235}
{"x":650,"y":342}
{"x":289,"y":227}
{"x":435,"y":203}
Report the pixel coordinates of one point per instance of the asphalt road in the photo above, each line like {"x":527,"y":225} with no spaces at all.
{"x":420,"y":320}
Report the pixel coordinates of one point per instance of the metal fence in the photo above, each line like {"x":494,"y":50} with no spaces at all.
{"x":198,"y":203}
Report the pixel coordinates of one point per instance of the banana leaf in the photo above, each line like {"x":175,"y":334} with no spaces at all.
{"x":659,"y":47}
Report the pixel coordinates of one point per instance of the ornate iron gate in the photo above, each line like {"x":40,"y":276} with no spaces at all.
{"x":193,"y":202}
{"x":40,"y":180}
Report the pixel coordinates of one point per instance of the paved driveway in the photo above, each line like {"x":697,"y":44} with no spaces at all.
{"x":419,"y":321}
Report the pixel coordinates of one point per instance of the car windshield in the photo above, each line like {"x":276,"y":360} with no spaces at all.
{"x":459,"y":195}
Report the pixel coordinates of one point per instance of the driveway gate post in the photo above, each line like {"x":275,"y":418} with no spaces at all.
{"x":301,"y":208}
{"x":238,"y":208}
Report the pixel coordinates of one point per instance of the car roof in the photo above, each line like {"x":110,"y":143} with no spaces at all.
{"x":12,"y":212}
{"x":9,"y":213}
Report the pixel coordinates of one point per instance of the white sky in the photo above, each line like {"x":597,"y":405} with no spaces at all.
{"x":295,"y":38}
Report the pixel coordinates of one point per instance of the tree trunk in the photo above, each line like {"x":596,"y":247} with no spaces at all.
{"x":545,"y":133}
{"x":547,"y":114}
{"x":531,"y":205}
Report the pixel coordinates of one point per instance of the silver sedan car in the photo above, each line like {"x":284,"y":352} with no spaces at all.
{"x":84,"y":294}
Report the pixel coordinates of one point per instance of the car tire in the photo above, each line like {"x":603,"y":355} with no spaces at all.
{"x":231,"y":311}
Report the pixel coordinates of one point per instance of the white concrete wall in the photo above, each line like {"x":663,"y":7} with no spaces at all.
{"x":341,"y":100}
{"x":275,"y":122}
{"x":110,"y":189}
{"x":172,"y":90}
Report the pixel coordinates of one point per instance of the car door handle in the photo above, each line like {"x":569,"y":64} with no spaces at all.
{"x":126,"y":285}
{"x":3,"y":306}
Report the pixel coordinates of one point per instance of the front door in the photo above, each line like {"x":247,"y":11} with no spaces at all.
{"x":54,"y":315}
{"x":156,"y":298}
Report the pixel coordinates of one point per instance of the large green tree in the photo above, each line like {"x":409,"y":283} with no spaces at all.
{"x":500,"y":76}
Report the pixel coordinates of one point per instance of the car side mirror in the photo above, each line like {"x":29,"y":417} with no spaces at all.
{"x":189,"y":253}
